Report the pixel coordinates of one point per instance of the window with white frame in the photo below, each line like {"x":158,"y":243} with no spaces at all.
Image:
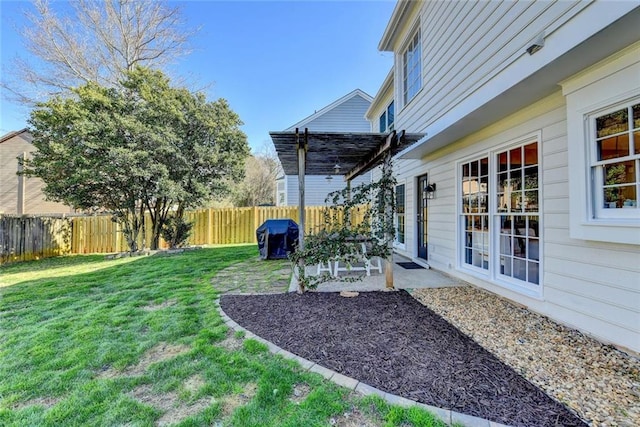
{"x":399,"y":215}
{"x":475,"y":213}
{"x":615,"y":161}
{"x":500,"y":230}
{"x":412,"y":68}
{"x":603,"y":149}
{"x":386,"y":119}
{"x":517,"y":213}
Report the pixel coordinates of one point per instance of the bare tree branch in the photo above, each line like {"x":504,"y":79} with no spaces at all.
{"x":92,"y":41}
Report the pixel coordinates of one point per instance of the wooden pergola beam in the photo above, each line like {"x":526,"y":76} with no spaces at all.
{"x":375,"y":157}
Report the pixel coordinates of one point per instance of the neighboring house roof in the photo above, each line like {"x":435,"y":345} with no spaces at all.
{"x":12,"y":134}
{"x":302,"y":123}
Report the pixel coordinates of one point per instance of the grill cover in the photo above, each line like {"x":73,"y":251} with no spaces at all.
{"x":277,"y":238}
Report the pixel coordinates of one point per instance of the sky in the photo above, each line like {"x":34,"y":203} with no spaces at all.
{"x":275,"y":62}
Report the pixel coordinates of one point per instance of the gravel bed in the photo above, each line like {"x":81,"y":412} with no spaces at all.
{"x":599,"y":382}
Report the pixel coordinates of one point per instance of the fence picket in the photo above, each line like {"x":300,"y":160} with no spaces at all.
{"x":23,"y":238}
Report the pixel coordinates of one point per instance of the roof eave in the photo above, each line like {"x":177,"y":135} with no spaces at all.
{"x":387,"y":85}
{"x":398,"y":18}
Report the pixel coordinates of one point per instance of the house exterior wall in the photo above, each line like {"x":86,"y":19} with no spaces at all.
{"x":592,"y":286}
{"x":346,"y":116}
{"x":472,"y":51}
{"x":33,"y":200}
{"x":481,"y":93}
{"x":316,"y":188}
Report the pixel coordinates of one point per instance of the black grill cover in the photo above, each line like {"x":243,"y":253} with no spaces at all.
{"x":277,"y":238}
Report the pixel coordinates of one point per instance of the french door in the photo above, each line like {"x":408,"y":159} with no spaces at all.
{"x":421,"y":217}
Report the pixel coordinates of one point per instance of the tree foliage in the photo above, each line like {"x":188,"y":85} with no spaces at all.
{"x":98,"y":41}
{"x":259,"y":184}
{"x":141,"y":146}
{"x":363,"y":214}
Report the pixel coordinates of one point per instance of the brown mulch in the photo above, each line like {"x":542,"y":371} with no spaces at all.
{"x":392,"y":342}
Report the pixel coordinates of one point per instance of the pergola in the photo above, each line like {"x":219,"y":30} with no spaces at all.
{"x":317,"y":153}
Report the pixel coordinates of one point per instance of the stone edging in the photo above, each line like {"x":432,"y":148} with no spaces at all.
{"x":448,"y":416}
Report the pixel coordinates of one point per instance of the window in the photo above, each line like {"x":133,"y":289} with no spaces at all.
{"x":500,"y":226}
{"x":412,"y":68}
{"x":615,"y":161}
{"x":386,"y":119}
{"x":399,"y":215}
{"x":518,"y":213}
{"x":601,"y":171}
{"x":475,"y":215}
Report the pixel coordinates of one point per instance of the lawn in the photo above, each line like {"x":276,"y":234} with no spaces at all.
{"x":139,"y":341}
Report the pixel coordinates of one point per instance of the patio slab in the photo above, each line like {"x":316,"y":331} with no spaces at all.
{"x":402,"y":279}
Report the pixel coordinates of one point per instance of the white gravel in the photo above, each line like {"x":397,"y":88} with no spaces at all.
{"x":600,"y":383}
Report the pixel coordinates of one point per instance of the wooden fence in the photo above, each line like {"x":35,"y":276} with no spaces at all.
{"x":24,"y":238}
{"x":27,"y":238}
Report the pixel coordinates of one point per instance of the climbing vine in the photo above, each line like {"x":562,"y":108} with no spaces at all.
{"x":362,"y":214}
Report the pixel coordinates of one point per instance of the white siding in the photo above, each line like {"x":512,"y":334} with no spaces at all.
{"x":317,"y":187}
{"x":593,"y":286}
{"x":468,"y":45}
{"x":346,"y":117}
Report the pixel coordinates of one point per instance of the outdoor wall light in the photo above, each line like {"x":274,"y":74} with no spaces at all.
{"x":537,"y":44}
{"x":328,"y":177}
{"x":336,"y":169}
{"x":430,"y":191}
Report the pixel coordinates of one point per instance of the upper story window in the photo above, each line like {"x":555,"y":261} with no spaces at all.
{"x":412,"y":68}
{"x":615,"y":161}
{"x":386,"y":119}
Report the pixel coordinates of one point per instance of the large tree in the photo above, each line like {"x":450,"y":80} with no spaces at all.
{"x":140,"y":146}
{"x":259,"y":184}
{"x":74,"y":43}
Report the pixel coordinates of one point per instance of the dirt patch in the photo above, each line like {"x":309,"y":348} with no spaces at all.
{"x":160,"y":352}
{"x":46,"y":402}
{"x":174,"y":409}
{"x":392,"y":342}
{"x":155,"y":307}
{"x":300,"y":393}
{"x":231,"y":343}
{"x":231,"y":402}
{"x":353,"y":418}
{"x":194,"y":383}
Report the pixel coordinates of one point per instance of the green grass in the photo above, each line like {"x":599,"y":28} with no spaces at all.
{"x":89,"y":341}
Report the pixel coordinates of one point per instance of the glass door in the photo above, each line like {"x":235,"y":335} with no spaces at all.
{"x":421,"y":217}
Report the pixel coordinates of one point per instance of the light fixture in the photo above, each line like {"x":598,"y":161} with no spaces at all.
{"x":430,"y":191}
{"x":536,"y":44}
{"x":336,"y":169}
{"x":328,"y":177}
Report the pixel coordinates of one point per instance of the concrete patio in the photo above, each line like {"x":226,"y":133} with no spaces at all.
{"x":402,"y":279}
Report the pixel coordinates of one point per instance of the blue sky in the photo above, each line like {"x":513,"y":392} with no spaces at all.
{"x":276,"y":62}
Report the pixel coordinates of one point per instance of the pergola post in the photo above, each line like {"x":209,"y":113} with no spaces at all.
{"x":302,"y":159}
{"x":388,"y":218}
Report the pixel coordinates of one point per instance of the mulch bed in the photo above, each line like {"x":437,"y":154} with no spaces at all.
{"x":392,"y":342}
